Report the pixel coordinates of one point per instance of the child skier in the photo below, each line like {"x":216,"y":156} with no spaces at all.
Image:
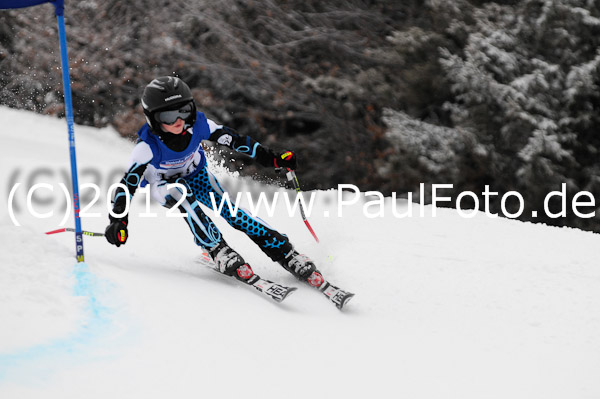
{"x":169,"y":151}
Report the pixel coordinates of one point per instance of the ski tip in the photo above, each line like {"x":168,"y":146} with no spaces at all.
{"x":345,"y":300}
{"x":287,"y":293}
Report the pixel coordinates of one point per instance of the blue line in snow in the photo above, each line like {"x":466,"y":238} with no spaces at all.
{"x":39,"y":361}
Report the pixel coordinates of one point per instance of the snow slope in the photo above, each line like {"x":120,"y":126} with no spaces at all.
{"x":445,"y":307}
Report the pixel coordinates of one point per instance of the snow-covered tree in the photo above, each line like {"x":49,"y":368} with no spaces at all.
{"x":526,"y":84}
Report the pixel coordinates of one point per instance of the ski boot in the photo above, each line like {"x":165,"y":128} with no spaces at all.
{"x":229,"y":262}
{"x":302,"y":267}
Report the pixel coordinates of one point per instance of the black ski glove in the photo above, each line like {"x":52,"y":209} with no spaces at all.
{"x":286,"y":159}
{"x":116,"y":232}
{"x":267,"y":157}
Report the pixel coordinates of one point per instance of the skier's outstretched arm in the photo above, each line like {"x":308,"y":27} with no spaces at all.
{"x":247,"y":145}
{"x":116,"y":232}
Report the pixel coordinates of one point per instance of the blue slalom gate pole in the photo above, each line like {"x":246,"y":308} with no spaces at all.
{"x":70,"y":124}
{"x":59,"y":6}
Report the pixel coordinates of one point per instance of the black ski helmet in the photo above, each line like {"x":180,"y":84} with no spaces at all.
{"x":166,"y":93}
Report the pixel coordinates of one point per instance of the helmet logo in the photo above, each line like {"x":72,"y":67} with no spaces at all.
{"x":160,"y":84}
{"x":156,"y":84}
{"x":173,"y":97}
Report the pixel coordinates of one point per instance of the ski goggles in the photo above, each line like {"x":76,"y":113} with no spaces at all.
{"x":171,"y":116}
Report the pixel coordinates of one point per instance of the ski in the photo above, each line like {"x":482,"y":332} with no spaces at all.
{"x":279,"y":292}
{"x":336,"y":295}
{"x":273,"y":290}
{"x":266,"y":287}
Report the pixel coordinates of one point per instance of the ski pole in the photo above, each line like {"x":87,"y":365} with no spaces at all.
{"x":291,"y":175}
{"x":85,"y":233}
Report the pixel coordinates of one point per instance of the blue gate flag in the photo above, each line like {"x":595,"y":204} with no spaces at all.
{"x":21,"y":3}
{"x":59,"y":6}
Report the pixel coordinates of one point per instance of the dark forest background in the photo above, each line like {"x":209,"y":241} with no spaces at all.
{"x":381,"y":94}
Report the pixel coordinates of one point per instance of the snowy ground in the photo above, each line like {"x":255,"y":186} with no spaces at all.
{"x":445,"y":307}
